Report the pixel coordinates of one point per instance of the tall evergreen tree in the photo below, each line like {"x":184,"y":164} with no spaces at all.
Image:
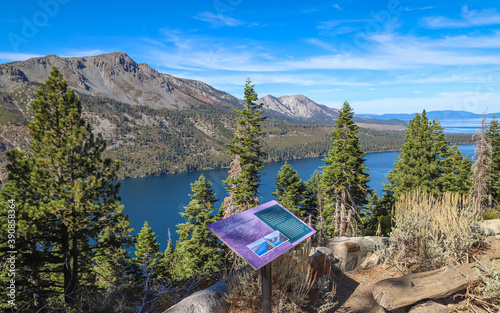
{"x":344,"y":177}
{"x":417,"y":164}
{"x":493,"y":134}
{"x":198,"y":250}
{"x":290,"y":190}
{"x":68,"y":198}
{"x":313,"y":204}
{"x":427,"y":162}
{"x":247,"y":154}
{"x":456,"y":171}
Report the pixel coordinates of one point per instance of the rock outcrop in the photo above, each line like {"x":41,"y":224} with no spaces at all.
{"x":117,"y":76}
{"x":299,"y":107}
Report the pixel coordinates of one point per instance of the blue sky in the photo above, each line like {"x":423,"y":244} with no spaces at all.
{"x":381,"y":56}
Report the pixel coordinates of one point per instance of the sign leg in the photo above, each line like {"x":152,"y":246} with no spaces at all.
{"x":265,"y":272}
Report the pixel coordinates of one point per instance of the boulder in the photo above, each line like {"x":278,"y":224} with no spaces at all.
{"x":371,"y":260}
{"x":319,"y":264}
{"x":429,"y":307}
{"x":352,"y":246}
{"x":492,"y":227}
{"x":352,"y":251}
{"x":209,"y":300}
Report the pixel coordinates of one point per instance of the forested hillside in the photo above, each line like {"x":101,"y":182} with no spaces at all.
{"x":154,"y":141}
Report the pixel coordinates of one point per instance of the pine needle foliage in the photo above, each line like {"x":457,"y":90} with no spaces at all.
{"x":345,"y":178}
{"x":291,"y":192}
{"x":247,"y":156}
{"x":198,"y":250}
{"x":66,"y":198}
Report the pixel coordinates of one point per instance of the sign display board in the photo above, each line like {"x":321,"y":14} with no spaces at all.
{"x":261,"y":234}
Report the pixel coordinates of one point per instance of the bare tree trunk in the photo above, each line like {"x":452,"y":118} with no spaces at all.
{"x":348,"y":222}
{"x":343,"y":224}
{"x":480,"y":186}
{"x":337,"y":230}
{"x":321,"y":221}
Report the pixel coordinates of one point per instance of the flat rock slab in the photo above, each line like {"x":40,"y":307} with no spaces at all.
{"x":394,"y":293}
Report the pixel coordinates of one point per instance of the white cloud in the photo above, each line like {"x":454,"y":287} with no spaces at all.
{"x":469,"y":19}
{"x":81,"y":53}
{"x":418,"y":9}
{"x":10,"y":57}
{"x":336,"y":6}
{"x":218,"y":20}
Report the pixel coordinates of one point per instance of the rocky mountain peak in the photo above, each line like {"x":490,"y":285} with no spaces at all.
{"x":298,"y":106}
{"x":117,"y":76}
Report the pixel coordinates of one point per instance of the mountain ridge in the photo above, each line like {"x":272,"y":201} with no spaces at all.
{"x":440,"y":114}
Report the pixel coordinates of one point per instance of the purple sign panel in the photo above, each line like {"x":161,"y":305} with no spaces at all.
{"x":263,"y":233}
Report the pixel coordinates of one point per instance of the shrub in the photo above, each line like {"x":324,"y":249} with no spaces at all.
{"x":291,"y":282}
{"x":431,"y":232}
{"x":484,"y":296}
{"x":492,"y":214}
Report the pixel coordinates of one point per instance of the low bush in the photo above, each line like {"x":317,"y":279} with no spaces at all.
{"x":291,"y":283}
{"x":431,"y":232}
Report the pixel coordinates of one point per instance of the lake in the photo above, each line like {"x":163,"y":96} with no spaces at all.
{"x":159,"y":199}
{"x":462,"y":126}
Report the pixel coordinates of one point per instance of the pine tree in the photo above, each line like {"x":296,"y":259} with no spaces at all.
{"x":344,"y":177}
{"x":147,"y":248}
{"x":290,"y":190}
{"x":166,"y":265}
{"x":313,"y":205}
{"x":417,"y":164}
{"x":112,"y":264}
{"x":427,"y":162}
{"x":198,"y":251}
{"x":246,"y":152}
{"x":493,"y":134}
{"x":67,"y":195}
{"x":456,"y":171}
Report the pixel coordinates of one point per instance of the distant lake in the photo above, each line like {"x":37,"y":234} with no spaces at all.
{"x":462,"y":126}
{"x":159,"y":199}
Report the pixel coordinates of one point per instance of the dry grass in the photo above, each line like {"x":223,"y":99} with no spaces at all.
{"x":485,"y":295}
{"x":291,"y":283}
{"x":432,"y":232}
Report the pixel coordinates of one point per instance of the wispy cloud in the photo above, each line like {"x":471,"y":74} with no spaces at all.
{"x":218,"y":20}
{"x":81,"y":53}
{"x":336,"y":6}
{"x":418,"y":9}
{"x":469,"y":19}
{"x":10,"y":57}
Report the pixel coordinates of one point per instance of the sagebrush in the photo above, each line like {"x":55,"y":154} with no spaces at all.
{"x":431,"y":232}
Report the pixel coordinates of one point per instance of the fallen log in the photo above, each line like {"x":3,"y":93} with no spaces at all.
{"x":393,"y":293}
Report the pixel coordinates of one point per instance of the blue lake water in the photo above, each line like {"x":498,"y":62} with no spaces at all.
{"x":462,"y":126}
{"x":159,"y":199}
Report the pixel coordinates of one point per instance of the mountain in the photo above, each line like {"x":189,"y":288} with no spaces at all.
{"x":299,"y":107}
{"x":441,"y":115}
{"x":118,"y":77}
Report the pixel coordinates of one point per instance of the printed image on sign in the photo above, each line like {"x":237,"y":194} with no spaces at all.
{"x":263,"y":233}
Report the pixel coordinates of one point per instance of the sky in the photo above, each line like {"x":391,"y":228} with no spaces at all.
{"x":392,"y":56}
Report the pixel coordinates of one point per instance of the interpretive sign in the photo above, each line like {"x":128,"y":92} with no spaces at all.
{"x":261,"y":234}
